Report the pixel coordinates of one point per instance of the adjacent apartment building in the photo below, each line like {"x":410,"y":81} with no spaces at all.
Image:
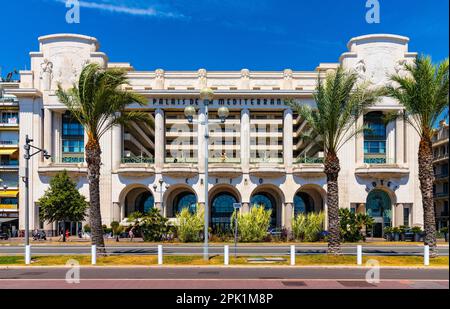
{"x":9,"y":160}
{"x":258,"y":156}
{"x":440,"y":153}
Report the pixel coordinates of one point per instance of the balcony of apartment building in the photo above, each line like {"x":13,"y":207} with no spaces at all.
{"x":266,"y":162}
{"x":440,"y":153}
{"x":9,"y":120}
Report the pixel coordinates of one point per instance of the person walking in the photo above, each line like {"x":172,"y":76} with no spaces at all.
{"x":131,"y":234}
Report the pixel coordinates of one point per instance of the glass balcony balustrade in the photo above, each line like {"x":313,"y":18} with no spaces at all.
{"x":309,"y":160}
{"x":68,"y":159}
{"x":378,"y":160}
{"x":137,"y":160}
{"x":266,"y":160}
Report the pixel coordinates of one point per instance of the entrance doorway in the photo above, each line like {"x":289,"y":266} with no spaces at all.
{"x":379,"y":207}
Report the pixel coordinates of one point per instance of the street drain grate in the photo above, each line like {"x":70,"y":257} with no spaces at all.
{"x":270,"y":278}
{"x":32,"y":273}
{"x":294,"y":283}
{"x":357,"y":284}
{"x":209,"y":273}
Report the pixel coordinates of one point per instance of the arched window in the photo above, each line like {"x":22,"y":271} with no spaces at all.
{"x":266,"y":200}
{"x":221,"y":211}
{"x":375,"y":138}
{"x":145,"y":202}
{"x":185,"y":200}
{"x":303,"y":203}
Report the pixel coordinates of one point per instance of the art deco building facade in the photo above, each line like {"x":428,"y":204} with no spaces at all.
{"x":258,"y":156}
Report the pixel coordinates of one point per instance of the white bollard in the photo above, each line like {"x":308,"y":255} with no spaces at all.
{"x":160,"y":254}
{"x":93,"y":254}
{"x":226,"y":255}
{"x":27,"y":254}
{"x":426,"y":256}
{"x":359,"y":255}
{"x":292,"y":255}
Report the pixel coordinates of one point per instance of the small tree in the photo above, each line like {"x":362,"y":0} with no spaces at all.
{"x":190,"y":225}
{"x":62,"y":202}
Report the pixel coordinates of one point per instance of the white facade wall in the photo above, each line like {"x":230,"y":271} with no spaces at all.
{"x":61,"y":58}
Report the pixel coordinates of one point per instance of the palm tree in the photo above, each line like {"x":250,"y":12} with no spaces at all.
{"x":423,"y":91}
{"x":99,"y":103}
{"x":340,"y":100}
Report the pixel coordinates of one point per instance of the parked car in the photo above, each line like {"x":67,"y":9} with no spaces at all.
{"x":4,"y":236}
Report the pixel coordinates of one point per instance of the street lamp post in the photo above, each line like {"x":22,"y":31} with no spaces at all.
{"x":28,"y":155}
{"x":207,"y":95}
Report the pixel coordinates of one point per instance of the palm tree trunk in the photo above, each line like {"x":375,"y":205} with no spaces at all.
{"x":332,"y":168}
{"x":426,"y":178}
{"x":93,"y":160}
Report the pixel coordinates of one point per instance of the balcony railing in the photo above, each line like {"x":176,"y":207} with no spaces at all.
{"x":266,"y":160}
{"x":307,"y":160}
{"x":378,"y":160}
{"x":10,"y":142}
{"x":137,"y":160}
{"x":9,"y":206}
{"x":440,"y":156}
{"x":9,"y":184}
{"x":225,"y":160}
{"x":440,"y":194}
{"x":181,"y":160}
{"x":10,"y":121}
{"x":68,"y":160}
{"x":441,"y":175}
{"x":10,"y":163}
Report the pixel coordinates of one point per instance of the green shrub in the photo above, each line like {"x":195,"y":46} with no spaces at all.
{"x":307,"y":227}
{"x":87,"y":228}
{"x":152,"y":226}
{"x":190,"y":225}
{"x":352,"y":225}
{"x":254,"y":225}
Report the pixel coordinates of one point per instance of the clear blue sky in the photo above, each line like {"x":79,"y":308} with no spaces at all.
{"x":222,"y":34}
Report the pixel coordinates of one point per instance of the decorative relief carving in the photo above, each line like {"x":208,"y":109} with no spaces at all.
{"x":360,"y":69}
{"x":245,"y":79}
{"x":202,"y":79}
{"x":159,"y":79}
{"x":46,"y":75}
{"x":288,"y":76}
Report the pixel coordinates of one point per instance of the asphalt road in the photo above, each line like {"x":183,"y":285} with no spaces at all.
{"x":223,"y":278}
{"x":218,"y":250}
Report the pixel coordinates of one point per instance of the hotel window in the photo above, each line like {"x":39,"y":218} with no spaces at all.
{"x":72,"y":140}
{"x":375,"y":138}
{"x":406,"y":216}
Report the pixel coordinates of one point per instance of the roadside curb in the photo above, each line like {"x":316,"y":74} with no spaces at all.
{"x":226,"y":267}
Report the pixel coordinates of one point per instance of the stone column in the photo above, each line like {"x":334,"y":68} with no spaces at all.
{"x":57,"y":127}
{"x":48,"y":132}
{"x":390,"y":142}
{"x":159,"y":140}
{"x":122,"y":211}
{"x":245,"y":140}
{"x":359,"y":147}
{"x":117,"y":147}
{"x":245,"y":208}
{"x":288,"y":143}
{"x":399,"y":214}
{"x":400,"y":141}
{"x":288,"y":215}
